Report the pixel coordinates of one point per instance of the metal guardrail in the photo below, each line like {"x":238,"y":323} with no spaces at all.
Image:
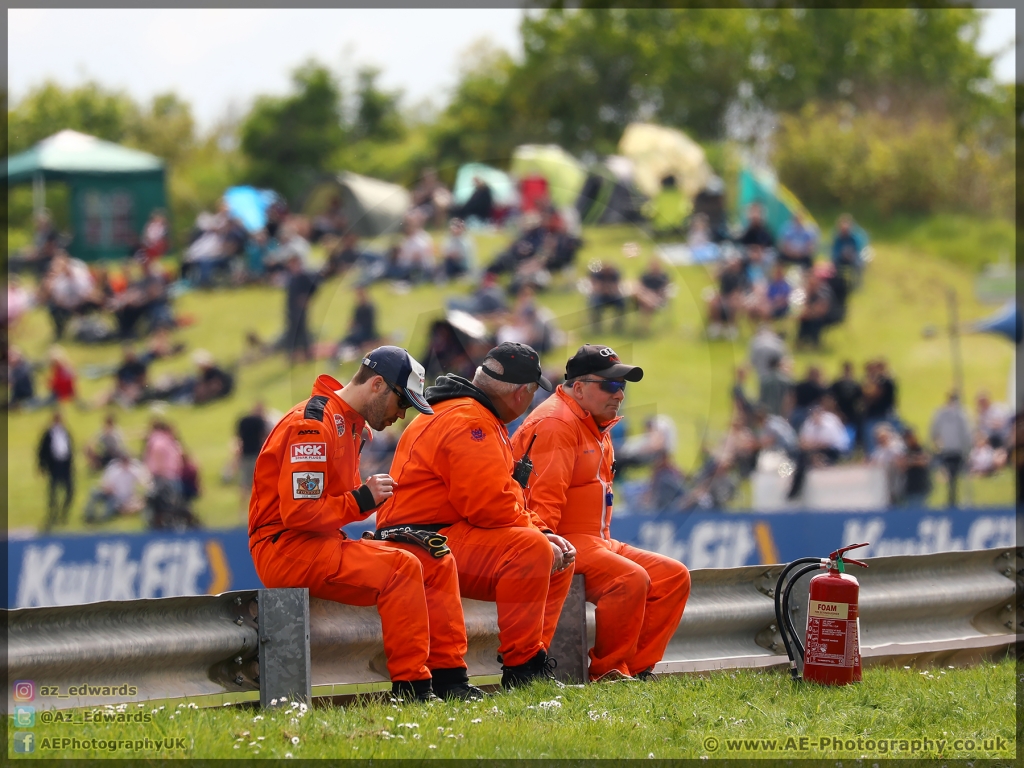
{"x":953,"y":607}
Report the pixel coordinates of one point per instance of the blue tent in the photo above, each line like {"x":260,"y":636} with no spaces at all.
{"x":249,"y":205}
{"x":1006,"y":322}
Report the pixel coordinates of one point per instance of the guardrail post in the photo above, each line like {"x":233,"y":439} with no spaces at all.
{"x":284,"y":645}
{"x":569,"y":645}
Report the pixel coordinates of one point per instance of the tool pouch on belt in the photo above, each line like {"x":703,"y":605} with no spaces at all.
{"x":432,"y":541}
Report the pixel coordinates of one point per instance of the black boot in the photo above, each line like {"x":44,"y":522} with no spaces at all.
{"x":540,"y":667}
{"x":414,"y":690}
{"x":454,"y":684}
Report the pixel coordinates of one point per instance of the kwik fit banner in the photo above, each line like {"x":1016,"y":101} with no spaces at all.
{"x":71,"y":570}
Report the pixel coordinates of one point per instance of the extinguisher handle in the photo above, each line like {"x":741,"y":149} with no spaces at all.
{"x":855,"y":562}
{"x":839,"y":552}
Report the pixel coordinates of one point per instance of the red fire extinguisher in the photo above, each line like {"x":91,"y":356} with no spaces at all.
{"x":831,"y":653}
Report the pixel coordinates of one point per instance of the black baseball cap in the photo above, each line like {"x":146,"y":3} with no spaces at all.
{"x":399,"y":368}
{"x":520,"y":364}
{"x":602,"y":361}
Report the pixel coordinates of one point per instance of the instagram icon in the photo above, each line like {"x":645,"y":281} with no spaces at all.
{"x":24,"y":690}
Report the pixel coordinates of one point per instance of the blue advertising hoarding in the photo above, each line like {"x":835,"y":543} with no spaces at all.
{"x":71,"y":570}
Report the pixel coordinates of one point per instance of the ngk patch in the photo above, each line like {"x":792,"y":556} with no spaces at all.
{"x":308,"y":452}
{"x":307,"y":485}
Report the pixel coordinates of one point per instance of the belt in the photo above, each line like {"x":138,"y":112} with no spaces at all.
{"x":422,"y":535}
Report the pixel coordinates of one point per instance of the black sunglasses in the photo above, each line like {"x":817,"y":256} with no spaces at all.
{"x":607,"y":385}
{"x":403,"y":401}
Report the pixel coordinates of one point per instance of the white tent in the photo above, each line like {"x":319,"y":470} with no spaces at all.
{"x":658,"y":152}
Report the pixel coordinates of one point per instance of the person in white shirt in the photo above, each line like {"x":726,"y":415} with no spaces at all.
{"x":823,"y":435}
{"x":993,"y":420}
{"x":121,"y":490}
{"x":415,"y":257}
{"x":458,"y":252}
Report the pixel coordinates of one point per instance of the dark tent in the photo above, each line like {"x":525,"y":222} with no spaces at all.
{"x":609,"y":195}
{"x":113,"y":189}
{"x":370,"y":206}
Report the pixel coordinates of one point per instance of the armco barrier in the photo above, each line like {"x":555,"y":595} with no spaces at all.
{"x":952,"y":606}
{"x":67,"y":570}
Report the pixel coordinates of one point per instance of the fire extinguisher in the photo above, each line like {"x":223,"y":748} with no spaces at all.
{"x":831,"y":653}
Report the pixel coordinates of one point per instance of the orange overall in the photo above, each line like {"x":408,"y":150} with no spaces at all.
{"x":306,"y":487}
{"x":639,"y":595}
{"x":454,"y":469}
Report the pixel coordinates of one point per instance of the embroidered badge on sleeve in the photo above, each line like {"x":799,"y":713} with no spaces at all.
{"x":307,"y":485}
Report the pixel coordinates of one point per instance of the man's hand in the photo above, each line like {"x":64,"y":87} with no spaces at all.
{"x":381,"y":486}
{"x":565,"y":553}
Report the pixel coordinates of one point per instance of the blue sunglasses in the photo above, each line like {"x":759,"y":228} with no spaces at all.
{"x":607,"y":385}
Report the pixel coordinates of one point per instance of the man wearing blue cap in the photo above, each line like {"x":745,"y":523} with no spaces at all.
{"x":307,"y":486}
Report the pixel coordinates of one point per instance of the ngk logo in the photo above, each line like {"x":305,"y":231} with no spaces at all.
{"x":309,"y":452}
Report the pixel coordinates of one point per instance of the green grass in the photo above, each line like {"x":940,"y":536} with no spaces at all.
{"x":686,"y":377}
{"x":674,"y":717}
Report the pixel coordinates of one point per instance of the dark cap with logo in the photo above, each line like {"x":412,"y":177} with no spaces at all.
{"x":520,"y":365}
{"x":599,"y":360}
{"x":398,"y":367}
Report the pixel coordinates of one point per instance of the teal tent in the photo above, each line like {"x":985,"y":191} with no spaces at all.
{"x":503,"y":188}
{"x":113,"y":189}
{"x":779,"y":203}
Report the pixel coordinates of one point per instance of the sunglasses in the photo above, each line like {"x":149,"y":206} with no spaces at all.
{"x":403,"y":401}
{"x":607,"y":385}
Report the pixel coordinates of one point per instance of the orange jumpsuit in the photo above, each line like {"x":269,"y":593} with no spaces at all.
{"x":306,"y":487}
{"x":639,"y":595}
{"x":455,"y":469}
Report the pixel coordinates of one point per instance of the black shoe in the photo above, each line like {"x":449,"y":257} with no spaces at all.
{"x":414,"y":690}
{"x":453,"y":684}
{"x":540,"y":667}
{"x":646,"y":676}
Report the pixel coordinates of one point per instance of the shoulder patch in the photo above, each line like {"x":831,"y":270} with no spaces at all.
{"x":315,"y":408}
{"x":307,"y":485}
{"x":477,"y":434}
{"x":339,"y":424}
{"x":309,"y":431}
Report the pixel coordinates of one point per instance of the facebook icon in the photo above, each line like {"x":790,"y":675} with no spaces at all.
{"x":24,"y":741}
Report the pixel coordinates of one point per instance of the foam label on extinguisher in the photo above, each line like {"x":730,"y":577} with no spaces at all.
{"x":831,"y":634}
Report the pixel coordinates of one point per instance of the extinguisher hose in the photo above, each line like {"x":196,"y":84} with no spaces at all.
{"x":785,"y":606}
{"x":782,"y":619}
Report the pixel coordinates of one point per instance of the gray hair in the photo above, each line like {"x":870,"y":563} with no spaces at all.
{"x":491,"y":386}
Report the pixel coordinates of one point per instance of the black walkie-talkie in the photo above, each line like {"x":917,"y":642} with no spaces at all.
{"x":524,"y":467}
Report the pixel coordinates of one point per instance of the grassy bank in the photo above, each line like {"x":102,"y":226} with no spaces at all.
{"x":686,"y":377}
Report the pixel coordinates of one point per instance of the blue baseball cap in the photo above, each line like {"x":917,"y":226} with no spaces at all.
{"x":399,"y":368}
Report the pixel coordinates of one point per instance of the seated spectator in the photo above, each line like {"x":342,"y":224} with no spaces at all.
{"x":526,"y":245}
{"x":561,"y":242}
{"x":160,"y":345}
{"x":488,"y":299}
{"x":108,"y":444}
{"x":776,"y":389}
{"x":774,"y":433}
{"x":652,"y":292}
{"x":666,"y":490}
{"x":129,"y":380}
{"x":798,"y":242}
{"x":725,"y":305}
{"x":816,"y":313}
{"x":658,"y":439}
{"x":807,"y":394}
{"x":765,"y":344}
{"x":668,"y":209}
{"x":62,"y":377}
{"x":207,"y":250}
{"x":756,"y":231}
{"x":362,"y":331}
{"x":155,"y":237}
{"x":777,"y":294}
{"x":46,"y":243}
{"x":22,"y":381}
{"x":342,"y":256}
{"x":915,"y":464}
{"x":458,"y":256}
{"x":68,"y":290}
{"x":122,"y":490}
{"x":414,"y":260}
{"x":993,"y":420}
{"x":480,"y":204}
{"x":19,"y":301}
{"x":823,"y":437}
{"x":145,"y":300}
{"x":431,"y":198}
{"x":701,"y":241}
{"x":849,"y":397}
{"x":164,"y":457}
{"x":984,"y":460}
{"x":606,"y":292}
{"x":330,"y":223}
{"x":879,"y":399}
{"x":525,"y":325}
{"x":212,"y":382}
{"x":888,"y":453}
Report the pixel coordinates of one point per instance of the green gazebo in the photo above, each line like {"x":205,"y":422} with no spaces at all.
{"x":113,"y":189}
